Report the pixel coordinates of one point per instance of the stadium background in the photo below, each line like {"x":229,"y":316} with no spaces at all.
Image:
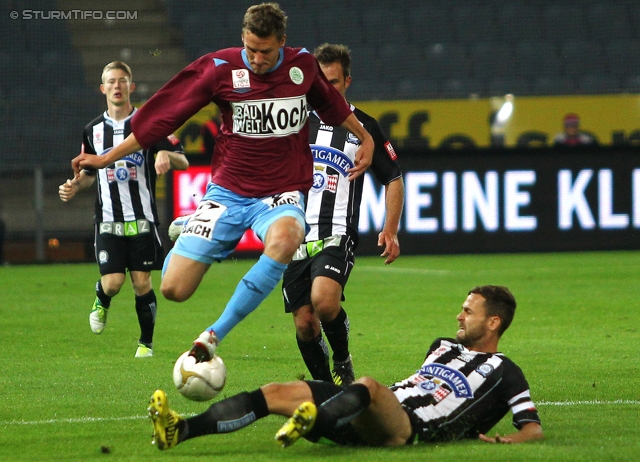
{"x":434,"y":73}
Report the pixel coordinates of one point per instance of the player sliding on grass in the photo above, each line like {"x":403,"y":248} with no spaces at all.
{"x":463,"y":388}
{"x":263,"y":160}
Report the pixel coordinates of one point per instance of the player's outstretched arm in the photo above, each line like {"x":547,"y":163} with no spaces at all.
{"x":167,"y":160}
{"x":388,"y":237}
{"x":529,"y":432}
{"x":364,"y":154}
{"x":128,"y":146}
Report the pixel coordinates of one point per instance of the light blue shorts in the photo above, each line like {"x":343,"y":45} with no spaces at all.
{"x":222,"y":217}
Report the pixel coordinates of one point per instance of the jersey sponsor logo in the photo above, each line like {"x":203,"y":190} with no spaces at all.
{"x":332,"y":183}
{"x":122,"y":174}
{"x":240,"y":78}
{"x":136,"y":158}
{"x":455,"y":379}
{"x":390,"y":150}
{"x":319,"y":181}
{"x":290,"y":198}
{"x":202,"y":222}
{"x":296,"y":74}
{"x":332,"y":157}
{"x":440,"y":394}
{"x":267,"y":118}
{"x":325,"y":127}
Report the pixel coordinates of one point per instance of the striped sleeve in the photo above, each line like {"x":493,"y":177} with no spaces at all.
{"x":522,"y":406}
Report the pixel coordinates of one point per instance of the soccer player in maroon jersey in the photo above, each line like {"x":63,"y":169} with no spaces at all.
{"x":263,"y":160}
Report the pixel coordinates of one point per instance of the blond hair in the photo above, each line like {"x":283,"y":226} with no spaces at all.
{"x":117,"y":65}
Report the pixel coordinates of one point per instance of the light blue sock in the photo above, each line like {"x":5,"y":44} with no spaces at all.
{"x":250,"y":291}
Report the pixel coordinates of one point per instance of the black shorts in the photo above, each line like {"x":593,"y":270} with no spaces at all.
{"x":333,"y":262}
{"x":345,"y":434}
{"x":116,"y":254}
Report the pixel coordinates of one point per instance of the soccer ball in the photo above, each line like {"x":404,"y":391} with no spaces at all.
{"x":176,"y":226}
{"x":199,"y":381}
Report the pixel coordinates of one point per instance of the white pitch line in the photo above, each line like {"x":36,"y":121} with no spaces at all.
{"x":616,"y":402}
{"x":80,"y":420}
{"x":589,"y":403}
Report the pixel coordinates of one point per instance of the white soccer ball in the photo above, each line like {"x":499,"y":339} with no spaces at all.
{"x":199,"y":381}
{"x":176,"y":227}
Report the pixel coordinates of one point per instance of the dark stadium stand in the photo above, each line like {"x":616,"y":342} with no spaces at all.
{"x":442,"y":49}
{"x":42,"y":63}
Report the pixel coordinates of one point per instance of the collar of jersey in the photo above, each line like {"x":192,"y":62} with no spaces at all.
{"x":115,"y":122}
{"x":243,"y":53}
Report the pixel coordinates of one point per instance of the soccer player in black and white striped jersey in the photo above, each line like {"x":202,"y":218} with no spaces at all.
{"x":314,"y":281}
{"x":463,"y":388}
{"x":126,"y":217}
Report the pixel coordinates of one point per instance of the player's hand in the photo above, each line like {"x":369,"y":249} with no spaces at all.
{"x":364,"y":156}
{"x":86,"y":160}
{"x":391,"y":246}
{"x":67,"y":190}
{"x":163,"y":163}
{"x":496,"y":439}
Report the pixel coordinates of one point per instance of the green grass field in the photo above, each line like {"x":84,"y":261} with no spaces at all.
{"x":66,"y":393}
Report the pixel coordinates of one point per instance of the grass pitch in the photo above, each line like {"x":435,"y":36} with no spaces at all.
{"x":67,"y":394}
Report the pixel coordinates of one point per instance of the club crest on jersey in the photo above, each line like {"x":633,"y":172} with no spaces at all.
{"x":296,"y":74}
{"x":352,"y":139}
{"x":332,"y":157}
{"x":268,"y":118}
{"x":240,"y":78}
{"x":455,"y":379}
{"x":103,"y":257}
{"x":484,"y":369}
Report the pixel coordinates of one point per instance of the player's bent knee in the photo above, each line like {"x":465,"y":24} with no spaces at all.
{"x":174,"y":293}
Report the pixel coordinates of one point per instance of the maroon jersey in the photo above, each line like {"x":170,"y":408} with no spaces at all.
{"x":263,"y":147}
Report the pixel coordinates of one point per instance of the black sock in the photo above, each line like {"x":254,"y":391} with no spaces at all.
{"x":316,"y":356}
{"x":340,"y":410}
{"x":227,"y":415}
{"x":104,"y":298}
{"x":146,"y":309}
{"x":337,"y":332}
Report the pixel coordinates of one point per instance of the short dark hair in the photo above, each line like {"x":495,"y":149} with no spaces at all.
{"x":265,"y":20}
{"x":499,"y":301}
{"x":329,"y":53}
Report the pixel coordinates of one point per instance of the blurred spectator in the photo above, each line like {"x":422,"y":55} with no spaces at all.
{"x":572,"y":136}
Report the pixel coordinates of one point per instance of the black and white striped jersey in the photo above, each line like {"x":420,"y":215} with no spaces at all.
{"x":458,"y":393}
{"x":126,"y":189}
{"x":333,"y":202}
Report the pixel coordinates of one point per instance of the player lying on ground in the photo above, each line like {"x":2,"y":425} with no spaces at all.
{"x":463,"y":388}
